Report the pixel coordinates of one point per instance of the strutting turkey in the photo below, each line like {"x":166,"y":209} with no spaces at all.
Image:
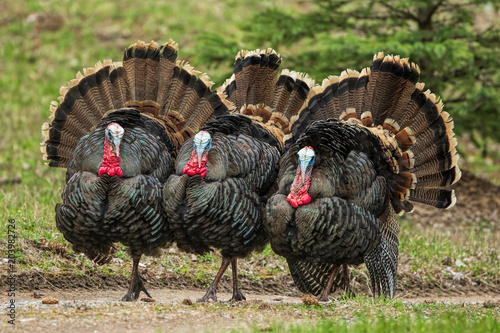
{"x":117,"y":129}
{"x":225,"y":174}
{"x":366,"y":145}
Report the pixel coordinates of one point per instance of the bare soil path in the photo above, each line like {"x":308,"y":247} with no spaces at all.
{"x":177,"y":311}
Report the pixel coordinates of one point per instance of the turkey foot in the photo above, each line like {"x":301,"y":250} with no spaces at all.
{"x":324,"y":295}
{"x":212,"y":290}
{"x":211,"y":294}
{"x":237,"y":295}
{"x":136,"y":284}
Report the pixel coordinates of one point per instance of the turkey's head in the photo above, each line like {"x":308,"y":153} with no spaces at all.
{"x":202,"y":142}
{"x":298,"y":191}
{"x":111,"y":158}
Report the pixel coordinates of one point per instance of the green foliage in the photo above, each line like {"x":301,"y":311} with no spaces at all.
{"x":449,"y":322}
{"x":379,"y":315}
{"x":455,"y":43}
{"x":427,"y":250}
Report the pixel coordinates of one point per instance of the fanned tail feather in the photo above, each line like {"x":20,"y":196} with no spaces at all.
{"x":415,"y":131}
{"x":259,"y":93}
{"x":148,"y":79}
{"x":254,"y":78}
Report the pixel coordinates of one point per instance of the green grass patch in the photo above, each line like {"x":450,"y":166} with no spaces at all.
{"x":363,"y":314}
{"x":447,"y":322}
{"x":462,"y":248}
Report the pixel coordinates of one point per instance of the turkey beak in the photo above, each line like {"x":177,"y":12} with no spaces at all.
{"x":116,"y":147}
{"x":303,"y":169}
{"x":199,"y":154}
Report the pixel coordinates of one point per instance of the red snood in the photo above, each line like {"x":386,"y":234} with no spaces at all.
{"x":192,"y":168}
{"x":110,"y":162}
{"x":298,"y":191}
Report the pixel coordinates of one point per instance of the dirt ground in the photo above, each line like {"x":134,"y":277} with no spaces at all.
{"x":177,"y":311}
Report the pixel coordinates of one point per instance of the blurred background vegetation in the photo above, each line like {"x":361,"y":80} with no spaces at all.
{"x":45,"y":43}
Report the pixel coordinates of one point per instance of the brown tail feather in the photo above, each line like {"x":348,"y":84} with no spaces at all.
{"x":168,"y":55}
{"x":141,"y":63}
{"x":257,"y":91}
{"x":205,"y":110}
{"x":440,"y":179}
{"x":434,"y":197}
{"x":388,"y":99}
{"x":148,"y":80}
{"x":254,"y":79}
{"x":391,"y":87}
{"x":295,"y":89}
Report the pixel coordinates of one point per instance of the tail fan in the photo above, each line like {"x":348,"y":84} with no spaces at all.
{"x":149,"y":79}
{"x":417,"y":135}
{"x":259,"y":93}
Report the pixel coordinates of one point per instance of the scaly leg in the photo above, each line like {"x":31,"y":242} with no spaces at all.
{"x":324,"y":295}
{"x":347,"y":281}
{"x":136,"y":283}
{"x":237,"y":295}
{"x":212,"y":290}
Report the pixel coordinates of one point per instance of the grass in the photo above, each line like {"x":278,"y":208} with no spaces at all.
{"x":390,"y":316}
{"x":468,"y":249}
{"x":360,"y":315}
{"x":448,"y":322}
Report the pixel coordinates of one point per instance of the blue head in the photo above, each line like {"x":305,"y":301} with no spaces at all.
{"x":202,"y":142}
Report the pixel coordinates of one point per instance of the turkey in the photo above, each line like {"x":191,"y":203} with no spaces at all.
{"x":224,"y":175}
{"x":365,"y":147}
{"x":117,"y":130}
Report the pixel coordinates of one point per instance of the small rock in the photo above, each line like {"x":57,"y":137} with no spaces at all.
{"x":37,"y":295}
{"x":23,"y":320}
{"x":457,"y":276}
{"x":50,"y":300}
{"x":446,"y":261}
{"x":490,"y":304}
{"x":147,"y":299}
{"x":308,"y":300}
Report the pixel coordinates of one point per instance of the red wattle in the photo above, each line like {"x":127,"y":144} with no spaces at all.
{"x":110,"y":162}
{"x":298,"y":192}
{"x":301,"y":199}
{"x":192,"y":168}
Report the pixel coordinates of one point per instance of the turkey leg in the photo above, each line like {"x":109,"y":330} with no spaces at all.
{"x":324,"y":295}
{"x":136,"y":284}
{"x":237,"y":295}
{"x":212,"y":290}
{"x":347,"y":281}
